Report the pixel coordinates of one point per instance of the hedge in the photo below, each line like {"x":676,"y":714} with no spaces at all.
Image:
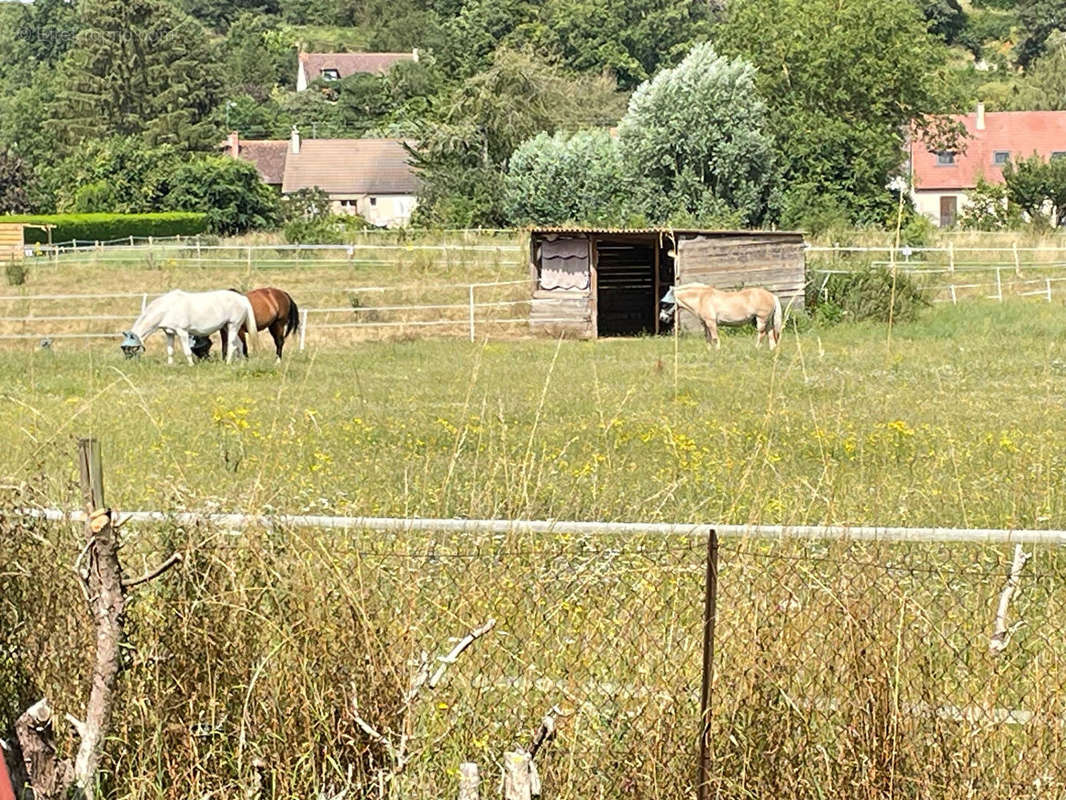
{"x":109,"y":227}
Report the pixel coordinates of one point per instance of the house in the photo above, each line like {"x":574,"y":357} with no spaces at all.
{"x":334,"y":66}
{"x":940,"y":179}
{"x":593,"y":282}
{"x":369,"y":177}
{"x":268,"y":156}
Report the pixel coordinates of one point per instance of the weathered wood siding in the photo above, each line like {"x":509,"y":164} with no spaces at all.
{"x":562,"y":312}
{"x":11,"y":246}
{"x":774,"y":262}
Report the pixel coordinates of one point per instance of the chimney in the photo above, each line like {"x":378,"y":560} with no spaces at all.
{"x":414,"y":54}
{"x":980,"y":116}
{"x":233,"y":141}
{"x":294,"y":141}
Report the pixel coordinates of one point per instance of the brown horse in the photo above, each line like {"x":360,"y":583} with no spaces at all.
{"x":274,"y":309}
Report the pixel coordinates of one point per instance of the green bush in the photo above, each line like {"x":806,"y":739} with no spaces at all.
{"x":335,"y":229}
{"x":108,"y":227}
{"x":866,"y":294}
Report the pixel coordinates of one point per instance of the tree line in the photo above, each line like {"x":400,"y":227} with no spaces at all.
{"x":762,"y":112}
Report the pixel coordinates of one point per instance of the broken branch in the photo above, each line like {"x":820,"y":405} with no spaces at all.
{"x":155,"y":573}
{"x":1003,"y":633}
{"x":457,"y":651}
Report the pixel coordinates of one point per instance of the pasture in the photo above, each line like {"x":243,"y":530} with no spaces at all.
{"x":844,"y":669}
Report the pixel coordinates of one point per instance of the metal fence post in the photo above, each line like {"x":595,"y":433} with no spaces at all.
{"x":710,"y":613}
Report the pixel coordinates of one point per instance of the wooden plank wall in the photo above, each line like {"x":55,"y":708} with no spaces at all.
{"x":562,"y":312}
{"x":733,"y":262}
{"x":11,"y":246}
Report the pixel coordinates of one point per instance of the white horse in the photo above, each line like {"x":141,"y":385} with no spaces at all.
{"x":714,"y":307}
{"x":191,"y":314}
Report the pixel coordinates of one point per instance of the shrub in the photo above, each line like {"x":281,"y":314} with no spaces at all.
{"x":336,"y":229}
{"x":108,"y":227}
{"x":866,"y":294}
{"x":16,"y":272}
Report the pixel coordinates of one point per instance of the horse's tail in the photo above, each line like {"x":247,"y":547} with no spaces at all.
{"x":249,"y":323}
{"x":775,"y":335}
{"x":293,"y":322}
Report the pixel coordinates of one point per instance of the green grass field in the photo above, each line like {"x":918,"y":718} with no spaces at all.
{"x":873,"y":657}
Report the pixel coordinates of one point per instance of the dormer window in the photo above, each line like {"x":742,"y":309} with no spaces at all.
{"x":331,"y":74}
{"x":945,"y":158}
{"x":1000,"y":157}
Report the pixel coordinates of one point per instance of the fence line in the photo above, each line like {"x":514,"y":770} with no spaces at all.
{"x":580,"y":528}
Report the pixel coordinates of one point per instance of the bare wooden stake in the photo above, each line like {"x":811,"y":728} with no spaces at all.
{"x":1002,"y":635}
{"x":469,"y":781}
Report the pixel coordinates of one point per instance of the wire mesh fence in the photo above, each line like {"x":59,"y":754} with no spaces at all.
{"x":842,"y":668}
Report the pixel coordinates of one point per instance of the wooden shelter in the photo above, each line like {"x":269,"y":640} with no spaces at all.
{"x":601,"y":282}
{"x":12,"y":243}
{"x":13,"y":239}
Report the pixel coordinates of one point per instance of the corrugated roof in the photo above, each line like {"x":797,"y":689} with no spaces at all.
{"x":350,"y":166}
{"x":350,"y":63}
{"x":1019,"y":133}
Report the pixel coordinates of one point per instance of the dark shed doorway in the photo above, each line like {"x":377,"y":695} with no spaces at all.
{"x":627,"y":288}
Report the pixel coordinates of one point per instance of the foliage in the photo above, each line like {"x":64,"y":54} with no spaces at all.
{"x":695,"y":142}
{"x":866,"y":293}
{"x":944,"y":18}
{"x":631,"y":39}
{"x":257,"y":57}
{"x":16,"y":272}
{"x":109,"y":227}
{"x":228,"y":191}
{"x":14,"y":180}
{"x":987,"y":208}
{"x":47,"y":29}
{"x":1044,"y":87}
{"x":560,"y":178}
{"x":1038,"y":18}
{"x":309,"y":203}
{"x":324,"y":229}
{"x":464,"y":147}
{"x":119,"y":175}
{"x":842,"y":82}
{"x":140,"y":67}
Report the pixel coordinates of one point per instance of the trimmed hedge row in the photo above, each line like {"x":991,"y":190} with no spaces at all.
{"x":108,"y":227}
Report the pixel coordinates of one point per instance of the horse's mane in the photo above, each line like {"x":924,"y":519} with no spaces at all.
{"x":237,"y":291}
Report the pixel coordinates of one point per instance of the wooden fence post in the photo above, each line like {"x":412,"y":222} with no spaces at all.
{"x":1017,"y":261}
{"x":516,"y":775}
{"x":951,"y":256}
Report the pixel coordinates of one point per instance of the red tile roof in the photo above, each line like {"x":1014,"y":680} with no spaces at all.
{"x":350,"y":63}
{"x":351,"y":166}
{"x":1020,"y":133}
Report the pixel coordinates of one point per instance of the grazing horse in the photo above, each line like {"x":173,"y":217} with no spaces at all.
{"x":714,"y":307}
{"x":274,"y":309}
{"x":187,"y":315}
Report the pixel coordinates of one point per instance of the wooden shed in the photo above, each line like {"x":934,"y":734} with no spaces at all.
{"x":601,"y":282}
{"x":12,"y":243}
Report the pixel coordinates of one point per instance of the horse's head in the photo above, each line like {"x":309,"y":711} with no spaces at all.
{"x":200,"y":346}
{"x":669,"y":306}
{"x":131,"y":344}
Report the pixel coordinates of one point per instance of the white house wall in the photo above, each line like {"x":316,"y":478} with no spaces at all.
{"x":927,"y":202}
{"x":387,"y":210}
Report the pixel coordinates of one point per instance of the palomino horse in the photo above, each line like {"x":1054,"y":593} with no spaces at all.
{"x":714,"y":307}
{"x":274,"y":309}
{"x":189,"y":314}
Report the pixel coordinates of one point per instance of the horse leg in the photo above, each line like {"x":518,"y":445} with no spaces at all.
{"x":712,"y":333}
{"x":242,"y":337}
{"x":170,"y":347}
{"x":186,"y":345}
{"x":277,"y":330}
{"x":234,"y":341}
{"x":760,"y":331}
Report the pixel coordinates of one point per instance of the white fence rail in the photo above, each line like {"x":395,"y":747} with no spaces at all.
{"x":580,"y":528}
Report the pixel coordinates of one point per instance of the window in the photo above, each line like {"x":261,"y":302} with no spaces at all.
{"x":945,"y":158}
{"x":331,"y":74}
{"x":1058,"y":154}
{"x":1000,"y":157}
{"x":373,"y":201}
